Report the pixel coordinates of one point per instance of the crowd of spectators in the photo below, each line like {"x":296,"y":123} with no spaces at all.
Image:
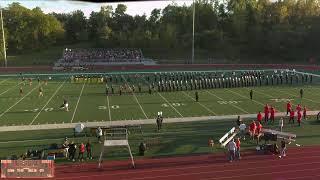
{"x":102,"y":55}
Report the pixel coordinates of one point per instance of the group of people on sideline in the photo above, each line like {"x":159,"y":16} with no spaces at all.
{"x":71,"y":148}
{"x":254,"y":129}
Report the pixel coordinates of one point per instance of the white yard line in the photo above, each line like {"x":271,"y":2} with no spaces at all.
{"x":75,"y":110}
{"x":4,"y":80}
{"x":229,"y":104}
{"x":199,"y":103}
{"x":18,"y":101}
{"x":170,"y":104}
{"x":47,"y":103}
{"x":296,"y":96}
{"x":245,"y":97}
{"x":108,"y":102}
{"x":134,"y":95}
{"x":10,"y":88}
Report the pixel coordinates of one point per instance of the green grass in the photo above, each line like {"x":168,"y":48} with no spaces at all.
{"x":174,"y":139}
{"x":88,"y":102}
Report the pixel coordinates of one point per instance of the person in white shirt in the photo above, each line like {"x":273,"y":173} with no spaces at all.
{"x":232,"y":150}
{"x":242,"y":128}
{"x":281,"y":124}
{"x":99,"y":134}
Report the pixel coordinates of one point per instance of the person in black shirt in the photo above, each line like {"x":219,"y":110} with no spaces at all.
{"x":283,"y":149}
{"x":251,"y":94}
{"x":301,"y":93}
{"x":197,"y":96}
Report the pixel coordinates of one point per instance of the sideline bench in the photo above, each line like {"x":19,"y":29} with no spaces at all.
{"x":228,"y":137}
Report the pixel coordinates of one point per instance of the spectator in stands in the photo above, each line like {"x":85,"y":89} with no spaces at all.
{"x":99,"y":134}
{"x":238,"y":143}
{"x":81,"y":151}
{"x":231,"y":149}
{"x":88,"y":149}
{"x":72,"y":150}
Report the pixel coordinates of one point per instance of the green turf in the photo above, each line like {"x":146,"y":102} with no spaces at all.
{"x":88,"y":102}
{"x":173,"y":139}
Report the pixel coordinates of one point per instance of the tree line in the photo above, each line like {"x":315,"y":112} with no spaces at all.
{"x":284,"y":29}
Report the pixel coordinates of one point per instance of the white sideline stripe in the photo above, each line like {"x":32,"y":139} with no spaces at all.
{"x":199,"y":103}
{"x":47,"y":103}
{"x":134,"y":95}
{"x":10,"y":88}
{"x":170,"y":104}
{"x":245,"y":97}
{"x":229,"y":104}
{"x":75,"y":110}
{"x":109,"y":108}
{"x":137,"y":122}
{"x":19,"y":101}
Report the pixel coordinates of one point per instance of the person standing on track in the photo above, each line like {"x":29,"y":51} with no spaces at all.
{"x":231,"y":150}
{"x":238,"y":143}
{"x":283,"y":149}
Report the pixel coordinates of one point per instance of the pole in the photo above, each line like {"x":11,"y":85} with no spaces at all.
{"x":194,"y":7}
{"x":3,"y":40}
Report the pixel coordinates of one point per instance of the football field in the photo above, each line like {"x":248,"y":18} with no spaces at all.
{"x":89,"y":102}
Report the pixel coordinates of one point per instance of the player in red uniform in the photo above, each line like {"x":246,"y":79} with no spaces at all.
{"x":288,"y":107}
{"x":299,"y":117}
{"x":291,"y":116}
{"x":259,"y":117}
{"x":266,"y":113}
{"x":258,"y":131}
{"x":272,"y":112}
{"x":298,"y":108}
{"x":252,"y":129}
{"x":305,"y":113}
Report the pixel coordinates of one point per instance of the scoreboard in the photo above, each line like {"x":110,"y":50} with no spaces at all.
{"x":27,"y":168}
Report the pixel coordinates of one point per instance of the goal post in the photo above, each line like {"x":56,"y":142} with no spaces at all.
{"x":115,"y":137}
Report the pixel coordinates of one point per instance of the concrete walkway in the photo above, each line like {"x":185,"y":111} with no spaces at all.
{"x":135,"y":122}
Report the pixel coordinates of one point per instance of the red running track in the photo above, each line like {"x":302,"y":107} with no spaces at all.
{"x":300,"y":164}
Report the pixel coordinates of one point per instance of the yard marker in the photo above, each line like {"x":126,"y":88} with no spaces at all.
{"x":47,"y":103}
{"x":199,"y":103}
{"x":230,"y":104}
{"x":18,"y":101}
{"x":170,"y":104}
{"x":244,"y":97}
{"x":75,"y":110}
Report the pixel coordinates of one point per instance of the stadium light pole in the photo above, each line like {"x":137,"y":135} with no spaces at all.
{"x":3,"y":40}
{"x":193,"y":15}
